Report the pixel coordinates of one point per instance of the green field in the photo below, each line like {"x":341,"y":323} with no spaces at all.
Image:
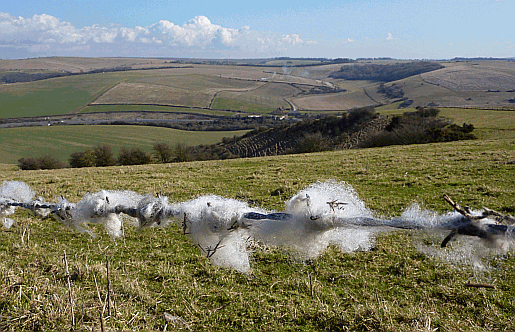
{"x":61,"y":141}
{"x":393,"y":287}
{"x":53,"y":96}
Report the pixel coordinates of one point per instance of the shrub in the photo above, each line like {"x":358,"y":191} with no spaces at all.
{"x":182,"y":153}
{"x":82,"y":159}
{"x":103,"y":156}
{"x":163,"y":152}
{"x":424,"y":112}
{"x":133,"y":156}
{"x":30,"y":163}
{"x":361,"y":115}
{"x":313,"y":142}
{"x":392,"y":92}
{"x":50,"y":162}
{"x":45,"y":162}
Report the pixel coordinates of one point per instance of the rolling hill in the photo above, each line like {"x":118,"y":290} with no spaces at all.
{"x":250,"y":87}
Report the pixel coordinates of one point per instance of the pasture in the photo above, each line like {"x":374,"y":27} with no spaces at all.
{"x":157,"y":277}
{"x":61,"y":141}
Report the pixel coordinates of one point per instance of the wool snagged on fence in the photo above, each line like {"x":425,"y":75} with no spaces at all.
{"x":225,"y":230}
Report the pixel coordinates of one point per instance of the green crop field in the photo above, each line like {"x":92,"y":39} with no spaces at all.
{"x":249,"y":105}
{"x":41,"y":101}
{"x":53,"y":96}
{"x":158,"y":271}
{"x":61,"y":141}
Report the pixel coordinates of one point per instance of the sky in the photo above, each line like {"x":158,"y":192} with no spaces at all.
{"x":402,"y":29}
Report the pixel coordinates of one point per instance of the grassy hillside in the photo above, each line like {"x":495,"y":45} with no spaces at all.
{"x":61,"y":141}
{"x":53,"y":96}
{"x":156,"y":271}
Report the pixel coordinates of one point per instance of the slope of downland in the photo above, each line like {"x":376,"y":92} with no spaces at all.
{"x":459,"y":84}
{"x":338,"y":133}
{"x":342,"y":134}
{"x":61,"y":141}
{"x":156,"y":271}
{"x":482,"y":84}
{"x":53,"y":96}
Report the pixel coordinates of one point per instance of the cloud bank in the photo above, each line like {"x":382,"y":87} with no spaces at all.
{"x":47,"y":35}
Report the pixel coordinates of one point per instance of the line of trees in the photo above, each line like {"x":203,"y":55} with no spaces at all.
{"x":102,"y":155}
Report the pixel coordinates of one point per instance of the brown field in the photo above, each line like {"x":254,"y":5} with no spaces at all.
{"x":462,"y":88}
{"x":76,"y":64}
{"x":269,"y":92}
{"x":196,"y":82}
{"x":470,"y":78}
{"x":139,"y":93}
{"x":268,"y":95}
{"x":316,"y":72}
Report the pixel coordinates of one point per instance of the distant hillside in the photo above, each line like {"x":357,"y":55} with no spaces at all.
{"x":355,"y":129}
{"x":330,"y":133}
{"x":250,"y":86}
{"x":385,"y":72}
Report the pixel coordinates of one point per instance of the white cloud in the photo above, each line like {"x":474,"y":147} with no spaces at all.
{"x":390,"y":37}
{"x":293,"y":39}
{"x":41,"y":33}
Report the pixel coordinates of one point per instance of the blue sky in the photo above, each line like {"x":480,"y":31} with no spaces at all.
{"x":416,"y":29}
